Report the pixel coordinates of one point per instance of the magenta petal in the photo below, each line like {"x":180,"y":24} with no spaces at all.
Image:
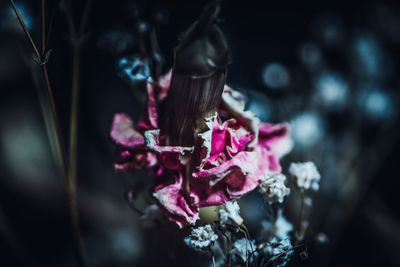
{"x":131,"y":153}
{"x":233,"y":178}
{"x":164,"y":83}
{"x":234,"y":155}
{"x":123,"y":133}
{"x":276,"y":137}
{"x":243,"y":160}
{"x":174,"y":205}
{"x":153,"y":143}
{"x":137,"y":161}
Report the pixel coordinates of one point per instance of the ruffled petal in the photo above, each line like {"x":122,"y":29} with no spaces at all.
{"x":234,"y":155}
{"x":276,"y":137}
{"x":131,"y":152}
{"x":123,"y":133}
{"x":174,"y":205}
{"x":233,"y":178}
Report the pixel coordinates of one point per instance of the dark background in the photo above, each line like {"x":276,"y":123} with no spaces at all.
{"x":34,"y":223}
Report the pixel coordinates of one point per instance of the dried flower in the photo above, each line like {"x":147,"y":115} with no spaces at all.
{"x":272,"y":186}
{"x":279,"y":247}
{"x":201,"y":238}
{"x":227,"y":167}
{"x":306,"y":175}
{"x":281,"y":251}
{"x":243,"y":248}
{"x":280,"y":228}
{"x":131,"y":153}
{"x":230,"y":214}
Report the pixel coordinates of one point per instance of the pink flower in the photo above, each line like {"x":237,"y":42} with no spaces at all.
{"x":235,"y":154}
{"x":131,"y":153}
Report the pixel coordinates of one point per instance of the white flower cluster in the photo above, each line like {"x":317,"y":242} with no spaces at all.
{"x":273,"y":187}
{"x":280,"y":247}
{"x":201,"y":238}
{"x":280,"y":251}
{"x":230,"y":214}
{"x":243,"y":248}
{"x":280,"y":228}
{"x":306,"y":175}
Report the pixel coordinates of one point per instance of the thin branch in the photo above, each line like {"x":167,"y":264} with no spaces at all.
{"x":85,"y":17}
{"x":21,"y":21}
{"x":73,"y":144}
{"x":70,"y":187}
{"x":43,"y":28}
{"x":50,"y":28}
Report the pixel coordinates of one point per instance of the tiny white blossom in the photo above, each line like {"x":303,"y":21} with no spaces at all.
{"x":242,"y":248}
{"x":282,"y":226}
{"x":230,"y":214}
{"x":201,"y":238}
{"x":280,"y":252}
{"x":280,"y":229}
{"x":280,"y":247}
{"x":306,"y":175}
{"x":273,"y":187}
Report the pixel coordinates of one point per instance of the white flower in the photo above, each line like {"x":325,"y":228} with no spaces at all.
{"x":242,"y":248}
{"x":272,"y":186}
{"x":201,"y":238}
{"x":280,"y":252}
{"x":306,"y":175}
{"x":280,"y":247}
{"x":281,"y":228}
{"x":230,"y":214}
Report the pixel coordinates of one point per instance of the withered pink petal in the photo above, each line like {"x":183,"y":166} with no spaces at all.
{"x":234,"y":155}
{"x":233,"y":178}
{"x":136,"y":162}
{"x":131,"y":152}
{"x":123,"y":132}
{"x":152,"y":138}
{"x":233,"y":102}
{"x":174,"y":205}
{"x":164,"y":83}
{"x":276,"y":137}
{"x":243,"y":160}
{"x":150,"y":117}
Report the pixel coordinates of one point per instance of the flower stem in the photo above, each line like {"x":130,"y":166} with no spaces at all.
{"x":69,"y":183}
{"x":43,"y":28}
{"x":28,"y":35}
{"x":73,"y":135}
{"x":301,"y":216}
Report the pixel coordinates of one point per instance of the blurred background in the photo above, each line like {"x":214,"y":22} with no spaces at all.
{"x":328,"y":67}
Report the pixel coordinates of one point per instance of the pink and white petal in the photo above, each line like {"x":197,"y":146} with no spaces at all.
{"x":276,"y":137}
{"x":246,"y":118}
{"x":150,"y":117}
{"x":123,"y":132}
{"x":244,"y":160}
{"x":164,"y":83}
{"x":207,"y":137}
{"x":174,"y":204}
{"x":152,"y":138}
